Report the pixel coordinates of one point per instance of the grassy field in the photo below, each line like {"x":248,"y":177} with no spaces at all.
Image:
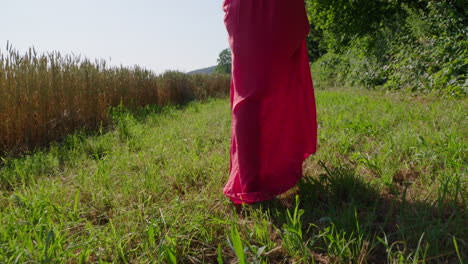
{"x":387,"y":185}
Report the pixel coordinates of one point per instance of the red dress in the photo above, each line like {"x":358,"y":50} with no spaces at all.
{"x":274,"y":125}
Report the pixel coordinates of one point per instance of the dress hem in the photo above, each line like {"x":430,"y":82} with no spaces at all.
{"x":254,"y":197}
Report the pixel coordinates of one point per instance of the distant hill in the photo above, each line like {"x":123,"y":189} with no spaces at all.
{"x":203,"y":71}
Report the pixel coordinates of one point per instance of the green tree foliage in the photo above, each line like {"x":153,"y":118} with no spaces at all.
{"x":315,"y":50}
{"x":340,"y":21}
{"x":224,"y":62}
{"x":419,"y":45}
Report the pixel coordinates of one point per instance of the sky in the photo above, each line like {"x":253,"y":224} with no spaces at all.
{"x":159,"y":35}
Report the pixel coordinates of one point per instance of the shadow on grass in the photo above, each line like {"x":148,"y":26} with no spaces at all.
{"x":344,"y":218}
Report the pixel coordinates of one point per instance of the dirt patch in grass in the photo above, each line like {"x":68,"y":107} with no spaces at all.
{"x":403,"y":176}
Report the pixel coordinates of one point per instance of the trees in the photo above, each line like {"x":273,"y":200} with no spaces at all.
{"x":418,"y":45}
{"x":224,"y":62}
{"x":339,"y":21}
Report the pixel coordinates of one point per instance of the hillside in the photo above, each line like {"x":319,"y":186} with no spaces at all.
{"x":207,"y":70}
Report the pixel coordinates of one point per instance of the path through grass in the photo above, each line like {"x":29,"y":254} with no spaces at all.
{"x":387,"y":184}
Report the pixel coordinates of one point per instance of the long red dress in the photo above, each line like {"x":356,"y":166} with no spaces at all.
{"x":274,"y":125}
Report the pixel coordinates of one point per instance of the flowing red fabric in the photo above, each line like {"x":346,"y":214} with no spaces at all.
{"x":274,"y":127}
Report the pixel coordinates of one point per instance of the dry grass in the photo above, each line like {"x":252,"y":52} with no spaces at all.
{"x":44,"y":97}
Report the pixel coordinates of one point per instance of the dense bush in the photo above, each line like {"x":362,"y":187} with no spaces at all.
{"x":413,"y":45}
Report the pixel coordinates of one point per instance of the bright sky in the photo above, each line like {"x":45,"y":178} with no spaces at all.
{"x":156,"y":34}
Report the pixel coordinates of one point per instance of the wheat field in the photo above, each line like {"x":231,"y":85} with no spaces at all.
{"x":44,"y":97}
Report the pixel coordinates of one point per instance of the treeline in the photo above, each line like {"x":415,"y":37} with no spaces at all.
{"x":417,"y":45}
{"x":44,"y":97}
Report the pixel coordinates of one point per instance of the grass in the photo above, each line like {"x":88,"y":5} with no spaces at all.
{"x":388,"y":184}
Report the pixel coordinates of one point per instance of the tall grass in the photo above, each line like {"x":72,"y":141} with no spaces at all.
{"x":45,"y":96}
